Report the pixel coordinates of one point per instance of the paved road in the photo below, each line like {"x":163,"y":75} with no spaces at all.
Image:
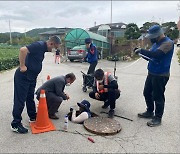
{"x":135,"y":137}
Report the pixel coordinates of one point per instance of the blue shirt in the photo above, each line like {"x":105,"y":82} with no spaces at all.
{"x":34,"y":58}
{"x":92,"y":53}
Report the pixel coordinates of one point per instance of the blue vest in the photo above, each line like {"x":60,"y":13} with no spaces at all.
{"x":92,"y":57}
{"x":161,"y":66}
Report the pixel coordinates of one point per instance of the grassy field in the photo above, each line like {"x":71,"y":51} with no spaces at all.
{"x":8,"y":57}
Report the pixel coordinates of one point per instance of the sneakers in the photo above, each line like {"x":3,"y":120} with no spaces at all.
{"x":18,"y":128}
{"x":154,"y":122}
{"x":53,"y":116}
{"x":111,"y":113}
{"x":146,"y":114}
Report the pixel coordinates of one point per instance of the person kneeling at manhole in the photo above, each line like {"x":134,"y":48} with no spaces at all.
{"x":105,"y":89}
{"x":54,"y":89}
{"x":83,"y":113}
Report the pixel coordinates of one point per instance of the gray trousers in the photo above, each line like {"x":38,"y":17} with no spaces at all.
{"x":53,"y":102}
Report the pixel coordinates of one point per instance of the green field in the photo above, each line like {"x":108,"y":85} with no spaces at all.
{"x":8,"y":57}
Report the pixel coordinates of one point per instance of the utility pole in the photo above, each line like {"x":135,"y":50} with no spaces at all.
{"x":178,"y":24}
{"x":10,"y":32}
{"x":25,"y":32}
{"x":111,"y":32}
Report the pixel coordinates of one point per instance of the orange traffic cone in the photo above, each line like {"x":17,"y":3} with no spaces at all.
{"x":48,"y":77}
{"x":43,"y":123}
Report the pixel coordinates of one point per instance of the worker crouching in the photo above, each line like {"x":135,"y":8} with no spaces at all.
{"x":105,"y":89}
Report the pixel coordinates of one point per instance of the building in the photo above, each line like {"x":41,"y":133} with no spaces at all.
{"x":61,"y":32}
{"x":116,"y":29}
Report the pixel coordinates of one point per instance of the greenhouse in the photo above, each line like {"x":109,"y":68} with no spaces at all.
{"x":77,"y":36}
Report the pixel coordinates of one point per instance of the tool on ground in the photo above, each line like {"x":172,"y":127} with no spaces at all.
{"x":118,"y":116}
{"x":48,"y":77}
{"x":89,"y":138}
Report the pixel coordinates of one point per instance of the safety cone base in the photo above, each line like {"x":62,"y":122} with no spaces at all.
{"x":51,"y":127}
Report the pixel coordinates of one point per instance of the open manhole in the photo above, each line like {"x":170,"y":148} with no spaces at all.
{"x":102,"y":126}
{"x":78,"y":113}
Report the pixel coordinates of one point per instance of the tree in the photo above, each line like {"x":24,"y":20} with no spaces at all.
{"x":171,"y":30}
{"x":132,"y":31}
{"x":147,"y":25}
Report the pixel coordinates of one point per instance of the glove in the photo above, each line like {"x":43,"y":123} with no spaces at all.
{"x":71,"y":109}
{"x":137,"y":50}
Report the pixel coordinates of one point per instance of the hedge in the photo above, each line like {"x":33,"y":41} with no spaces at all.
{"x":9,"y":63}
{"x":8,"y":58}
{"x":178,"y":53}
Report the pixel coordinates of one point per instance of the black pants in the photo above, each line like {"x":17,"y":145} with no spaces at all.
{"x":92,"y":67}
{"x":111,"y":96}
{"x":154,"y":93}
{"x":23,"y":92}
{"x":53,"y":102}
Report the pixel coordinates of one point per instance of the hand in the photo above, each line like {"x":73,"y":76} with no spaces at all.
{"x":137,"y":50}
{"x":97,"y":95}
{"x":101,"y":87}
{"x":23,"y":68}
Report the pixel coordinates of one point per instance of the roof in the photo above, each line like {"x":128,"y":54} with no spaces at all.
{"x":112,"y":25}
{"x":81,"y":34}
{"x":56,"y":32}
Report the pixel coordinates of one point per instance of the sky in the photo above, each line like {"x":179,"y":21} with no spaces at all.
{"x":27,"y":15}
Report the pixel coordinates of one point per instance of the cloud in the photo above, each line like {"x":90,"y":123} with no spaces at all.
{"x":82,"y":14}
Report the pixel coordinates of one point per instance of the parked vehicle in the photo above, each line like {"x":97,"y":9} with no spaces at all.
{"x":79,"y":53}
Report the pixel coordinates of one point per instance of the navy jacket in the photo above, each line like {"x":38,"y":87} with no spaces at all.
{"x":92,"y":54}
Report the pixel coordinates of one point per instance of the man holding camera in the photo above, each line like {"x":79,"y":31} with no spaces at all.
{"x":159,"y":57}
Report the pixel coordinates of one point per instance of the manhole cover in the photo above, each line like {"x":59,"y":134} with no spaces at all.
{"x":102,"y":126}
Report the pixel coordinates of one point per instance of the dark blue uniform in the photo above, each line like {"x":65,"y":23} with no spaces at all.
{"x":92,"y":58}
{"x":25,"y":82}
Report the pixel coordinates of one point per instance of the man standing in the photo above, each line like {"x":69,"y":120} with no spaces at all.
{"x":54,"y":89}
{"x":91,"y":56}
{"x":30,"y":58}
{"x":159,"y":57}
{"x":105,"y":89}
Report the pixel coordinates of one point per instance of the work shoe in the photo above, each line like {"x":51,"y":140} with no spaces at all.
{"x":53,"y":117}
{"x":111,"y":113}
{"x":146,"y":114}
{"x":105,"y":106}
{"x":18,"y":128}
{"x":154,"y":122}
{"x":32,"y":120}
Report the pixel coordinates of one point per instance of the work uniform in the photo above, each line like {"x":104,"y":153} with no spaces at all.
{"x":54,"y":89}
{"x":25,"y":82}
{"x":92,"y":58}
{"x":158,"y":75}
{"x":110,"y":92}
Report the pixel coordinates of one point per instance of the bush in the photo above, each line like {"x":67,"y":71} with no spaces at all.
{"x":8,"y":57}
{"x":178,"y":53}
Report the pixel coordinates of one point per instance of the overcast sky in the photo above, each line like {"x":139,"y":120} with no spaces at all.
{"x":26,"y":15}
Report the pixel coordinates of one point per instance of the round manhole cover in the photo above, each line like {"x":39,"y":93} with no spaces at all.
{"x":102,"y":126}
